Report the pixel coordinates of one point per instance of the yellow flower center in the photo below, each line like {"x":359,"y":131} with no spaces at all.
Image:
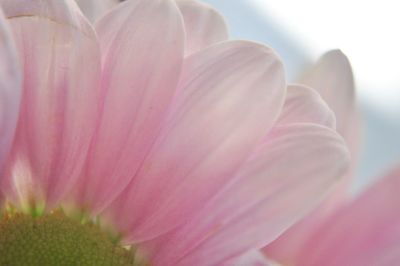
{"x":55,"y":239}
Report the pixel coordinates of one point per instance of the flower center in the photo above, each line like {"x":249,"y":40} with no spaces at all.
{"x":55,"y":239}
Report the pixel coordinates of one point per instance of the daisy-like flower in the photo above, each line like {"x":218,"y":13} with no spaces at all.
{"x":148,"y":138}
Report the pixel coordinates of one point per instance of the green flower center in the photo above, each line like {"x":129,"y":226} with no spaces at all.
{"x":55,"y":239}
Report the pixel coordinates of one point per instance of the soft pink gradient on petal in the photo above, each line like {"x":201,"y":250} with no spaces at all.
{"x":251,"y":258}
{"x":285,"y":178}
{"x":203,"y":24}
{"x":94,"y":9}
{"x":332,"y":77}
{"x":142,"y":47}
{"x":61,"y":66}
{"x":229,"y":96}
{"x":366,"y":232}
{"x":10,"y":89}
{"x":304,"y":105}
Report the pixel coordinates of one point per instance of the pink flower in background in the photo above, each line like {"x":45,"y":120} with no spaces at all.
{"x":366,"y":231}
{"x":190,"y":147}
{"x":363,"y":232}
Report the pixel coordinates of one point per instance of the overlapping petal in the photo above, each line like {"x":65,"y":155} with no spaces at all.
{"x":10,"y":88}
{"x":142,"y":48}
{"x":332,"y":77}
{"x":304,"y":105}
{"x":284,"y":179}
{"x":228,"y":97}
{"x":203,"y":24}
{"x":94,"y":9}
{"x":61,"y":66}
{"x":251,"y":258}
{"x":365,"y":232}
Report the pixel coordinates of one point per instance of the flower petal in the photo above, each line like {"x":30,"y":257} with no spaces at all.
{"x":204,"y":25}
{"x":10,"y":88}
{"x":365,"y":232}
{"x":304,"y":105}
{"x":251,"y":258}
{"x":332,"y":77}
{"x":284,"y":179}
{"x":94,"y":9}
{"x":229,"y":96}
{"x":142,"y":46}
{"x":59,"y":105}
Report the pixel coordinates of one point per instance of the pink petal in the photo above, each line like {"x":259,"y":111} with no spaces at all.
{"x":230,"y":95}
{"x":61,"y":62}
{"x":94,"y":9}
{"x":365,"y":232}
{"x":288,"y":247}
{"x":332,"y":77}
{"x":10,"y":88}
{"x":204,"y":25}
{"x":304,"y":105}
{"x":142,"y":46}
{"x":251,"y":258}
{"x":286,"y":177}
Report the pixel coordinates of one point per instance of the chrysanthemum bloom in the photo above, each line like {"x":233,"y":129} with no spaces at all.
{"x":343,"y":231}
{"x":149,"y":139}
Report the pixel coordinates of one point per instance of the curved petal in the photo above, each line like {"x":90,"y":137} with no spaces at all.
{"x":365,"y":232}
{"x":229,"y":96}
{"x":332,"y":77}
{"x":304,"y":105}
{"x":204,"y":25}
{"x":94,"y":9}
{"x":288,"y":247}
{"x":10,"y":89}
{"x":59,"y":102}
{"x":141,"y":69}
{"x":284,"y":179}
{"x":251,"y":258}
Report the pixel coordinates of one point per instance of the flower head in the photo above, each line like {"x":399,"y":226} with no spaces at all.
{"x":190,"y":148}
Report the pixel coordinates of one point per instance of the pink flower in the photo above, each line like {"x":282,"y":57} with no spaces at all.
{"x":344,"y":231}
{"x":191,"y":147}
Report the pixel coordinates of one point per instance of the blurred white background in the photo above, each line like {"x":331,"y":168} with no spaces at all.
{"x":366,"y":31}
